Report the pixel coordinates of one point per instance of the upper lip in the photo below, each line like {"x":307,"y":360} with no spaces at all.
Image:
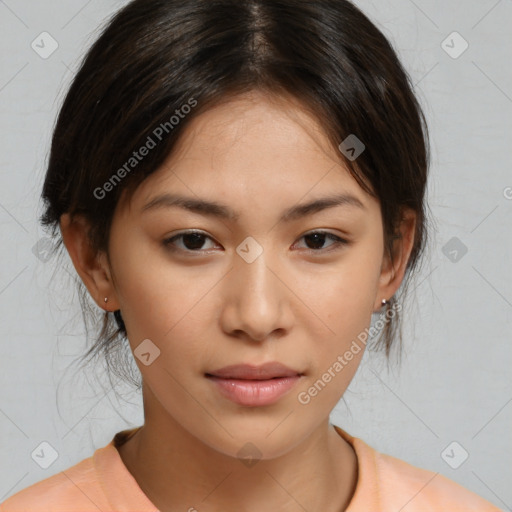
{"x":251,"y":372}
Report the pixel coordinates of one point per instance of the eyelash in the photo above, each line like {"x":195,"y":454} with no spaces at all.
{"x":338,"y":242}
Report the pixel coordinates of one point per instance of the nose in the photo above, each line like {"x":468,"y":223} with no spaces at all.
{"x":256,"y":299}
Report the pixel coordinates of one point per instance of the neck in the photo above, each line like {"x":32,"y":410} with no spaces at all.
{"x":177,"y":471}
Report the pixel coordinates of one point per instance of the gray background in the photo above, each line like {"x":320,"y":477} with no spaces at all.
{"x":453,"y":385}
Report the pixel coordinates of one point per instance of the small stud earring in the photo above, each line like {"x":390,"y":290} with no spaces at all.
{"x":384,"y":302}
{"x":106,"y":299}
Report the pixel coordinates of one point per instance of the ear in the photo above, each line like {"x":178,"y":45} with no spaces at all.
{"x":392,"y":273}
{"x":91,"y":266}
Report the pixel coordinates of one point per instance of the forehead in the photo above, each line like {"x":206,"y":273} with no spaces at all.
{"x":254,"y":146}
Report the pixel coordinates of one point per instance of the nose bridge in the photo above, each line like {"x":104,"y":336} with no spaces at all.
{"x":252,"y":270}
{"x":256,"y":294}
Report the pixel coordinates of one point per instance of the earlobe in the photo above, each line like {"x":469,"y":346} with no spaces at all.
{"x":91,"y":266}
{"x":393,"y":269}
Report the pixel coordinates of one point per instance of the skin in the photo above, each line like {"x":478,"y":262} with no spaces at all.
{"x":210,"y":308}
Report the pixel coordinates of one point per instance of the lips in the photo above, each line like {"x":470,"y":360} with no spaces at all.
{"x":266,"y":371}
{"x":254,"y":386}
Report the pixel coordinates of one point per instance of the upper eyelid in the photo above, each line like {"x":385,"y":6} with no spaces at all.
{"x":199,"y":232}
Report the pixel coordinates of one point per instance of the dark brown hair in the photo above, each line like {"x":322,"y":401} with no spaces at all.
{"x":156,"y":56}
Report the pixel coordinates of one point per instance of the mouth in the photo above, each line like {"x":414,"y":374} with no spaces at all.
{"x":254,"y":386}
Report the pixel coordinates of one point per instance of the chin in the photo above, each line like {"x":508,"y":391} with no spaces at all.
{"x":263,"y":439}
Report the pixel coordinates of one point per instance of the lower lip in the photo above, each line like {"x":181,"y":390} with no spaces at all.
{"x":255,"y":393}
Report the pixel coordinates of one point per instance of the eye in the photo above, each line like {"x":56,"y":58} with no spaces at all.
{"x":317,"y":239}
{"x":192,"y":241}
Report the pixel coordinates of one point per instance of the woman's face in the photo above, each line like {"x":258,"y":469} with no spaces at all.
{"x":256,"y":285}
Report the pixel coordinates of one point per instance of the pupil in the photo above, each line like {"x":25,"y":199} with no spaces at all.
{"x":197,"y":241}
{"x":317,"y":237}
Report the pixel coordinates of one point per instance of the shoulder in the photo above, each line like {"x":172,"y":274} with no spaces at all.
{"x":403,"y":485}
{"x":76,"y":488}
{"x":388,"y":484}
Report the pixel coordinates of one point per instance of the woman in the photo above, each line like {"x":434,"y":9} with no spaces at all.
{"x":240,"y":187}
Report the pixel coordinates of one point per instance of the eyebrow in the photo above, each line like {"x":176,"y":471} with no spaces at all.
{"x":210,"y":208}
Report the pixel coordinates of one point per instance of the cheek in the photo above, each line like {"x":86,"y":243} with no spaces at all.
{"x":163,"y":302}
{"x":351,"y":291}
{"x":346,"y":300}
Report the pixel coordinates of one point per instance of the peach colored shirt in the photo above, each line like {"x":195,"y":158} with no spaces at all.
{"x":103,"y":483}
